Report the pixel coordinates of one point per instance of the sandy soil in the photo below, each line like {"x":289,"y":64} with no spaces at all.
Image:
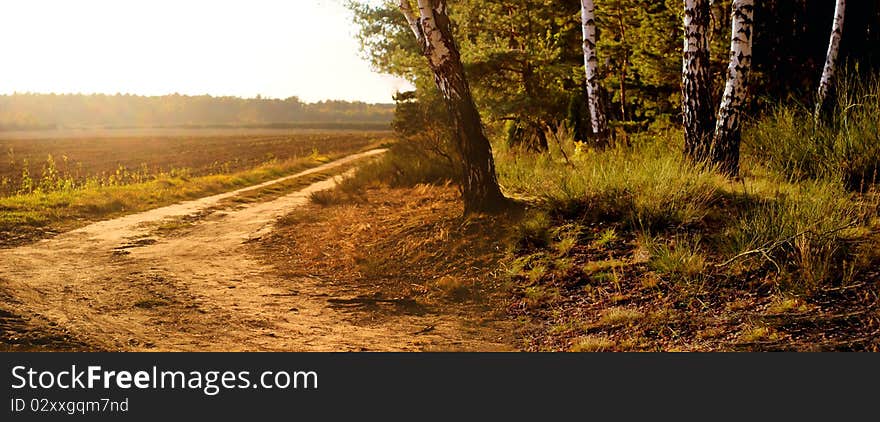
{"x":123,"y":285}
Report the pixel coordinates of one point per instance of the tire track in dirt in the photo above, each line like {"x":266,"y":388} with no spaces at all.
{"x":119,"y":285}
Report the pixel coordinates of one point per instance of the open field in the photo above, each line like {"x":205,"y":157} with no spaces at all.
{"x":90,"y":153}
{"x":63,"y":181}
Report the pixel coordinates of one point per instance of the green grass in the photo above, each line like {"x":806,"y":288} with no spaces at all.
{"x":843,"y":147}
{"x":700,"y":219}
{"x":605,"y":238}
{"x":643,"y":186}
{"x":679,"y":259}
{"x":406,"y":164}
{"x":806,"y":231}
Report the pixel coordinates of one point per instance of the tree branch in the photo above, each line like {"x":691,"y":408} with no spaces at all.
{"x":770,"y":246}
{"x":411,"y":18}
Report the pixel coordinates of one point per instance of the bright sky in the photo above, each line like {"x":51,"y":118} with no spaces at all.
{"x":275,"y":48}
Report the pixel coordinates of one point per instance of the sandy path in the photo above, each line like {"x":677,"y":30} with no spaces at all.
{"x":118,"y":285}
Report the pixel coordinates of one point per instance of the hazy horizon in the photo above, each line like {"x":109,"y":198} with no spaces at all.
{"x":268,"y":48}
{"x":261,"y":97}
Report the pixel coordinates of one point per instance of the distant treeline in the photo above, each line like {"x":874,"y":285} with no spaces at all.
{"x":45,"y":111}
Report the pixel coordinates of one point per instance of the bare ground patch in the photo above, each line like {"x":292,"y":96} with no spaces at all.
{"x":400,"y":251}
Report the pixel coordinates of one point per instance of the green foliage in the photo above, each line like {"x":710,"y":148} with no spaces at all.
{"x":387,"y":40}
{"x":533,"y":230}
{"x":809,"y":234}
{"x":27,"y":183}
{"x":605,"y":238}
{"x":566,"y":237}
{"x":526,"y":135}
{"x":635,"y":49}
{"x":520,"y":56}
{"x":423,"y":154}
{"x":524,"y":58}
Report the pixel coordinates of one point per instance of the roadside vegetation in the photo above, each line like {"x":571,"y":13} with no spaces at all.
{"x":633,"y":247}
{"x":64,"y":194}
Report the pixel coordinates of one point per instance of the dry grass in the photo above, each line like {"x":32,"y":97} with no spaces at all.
{"x":620,"y":316}
{"x":408,"y":243}
{"x":593,"y":344}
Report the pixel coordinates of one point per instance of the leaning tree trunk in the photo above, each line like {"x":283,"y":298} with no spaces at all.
{"x":591,"y":67}
{"x":831,"y":58}
{"x":699,"y":118}
{"x":725,"y":146}
{"x":480,"y":189}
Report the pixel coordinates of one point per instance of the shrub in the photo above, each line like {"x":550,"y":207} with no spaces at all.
{"x":423,"y":153}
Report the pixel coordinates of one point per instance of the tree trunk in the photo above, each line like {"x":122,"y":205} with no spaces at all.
{"x":591,"y":67}
{"x":831,"y":58}
{"x":699,"y":118}
{"x":541,"y":145}
{"x":624,"y":63}
{"x":528,"y":75}
{"x":480,"y":189}
{"x":725,"y":146}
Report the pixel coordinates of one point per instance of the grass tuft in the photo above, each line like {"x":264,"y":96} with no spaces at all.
{"x":680,"y":259}
{"x":593,"y":344}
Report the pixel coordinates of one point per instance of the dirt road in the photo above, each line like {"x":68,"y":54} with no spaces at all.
{"x":123,"y":285}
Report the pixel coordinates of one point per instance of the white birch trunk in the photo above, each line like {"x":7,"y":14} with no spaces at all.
{"x":591,"y":67}
{"x":433,"y":31}
{"x":699,"y":118}
{"x":725,"y":146}
{"x":831,"y":58}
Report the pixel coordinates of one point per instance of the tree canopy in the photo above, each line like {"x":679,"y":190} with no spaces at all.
{"x":523,"y":57}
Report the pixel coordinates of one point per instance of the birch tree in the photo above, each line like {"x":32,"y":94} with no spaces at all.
{"x":699,"y":118}
{"x":591,"y":67}
{"x":726,"y":142}
{"x":433,"y":32}
{"x":831,"y":58}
